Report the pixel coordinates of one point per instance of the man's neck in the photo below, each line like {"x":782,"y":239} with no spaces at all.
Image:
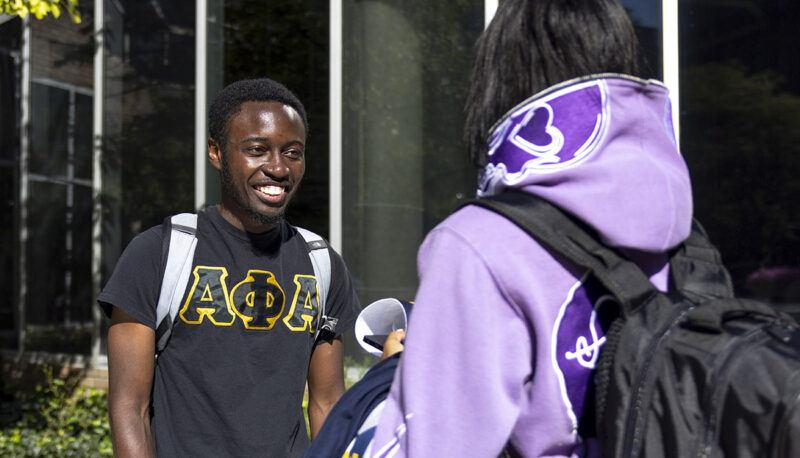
{"x":240,"y":219}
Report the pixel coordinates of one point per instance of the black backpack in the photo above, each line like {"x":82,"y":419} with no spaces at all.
{"x":695,"y":372}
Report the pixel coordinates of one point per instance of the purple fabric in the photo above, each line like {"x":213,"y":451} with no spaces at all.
{"x":503,"y":336}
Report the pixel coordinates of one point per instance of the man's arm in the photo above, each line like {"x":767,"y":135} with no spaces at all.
{"x":325,"y":382}
{"x":131,"y":350}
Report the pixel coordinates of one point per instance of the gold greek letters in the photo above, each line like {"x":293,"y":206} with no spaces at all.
{"x":258,"y":300}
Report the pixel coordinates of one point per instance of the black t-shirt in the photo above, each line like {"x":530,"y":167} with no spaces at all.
{"x":231,"y":380}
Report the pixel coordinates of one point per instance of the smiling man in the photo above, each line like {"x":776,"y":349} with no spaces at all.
{"x":231,"y":380}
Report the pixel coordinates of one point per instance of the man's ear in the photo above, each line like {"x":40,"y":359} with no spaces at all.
{"x":214,"y":154}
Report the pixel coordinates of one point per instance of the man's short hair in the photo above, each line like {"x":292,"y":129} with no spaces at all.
{"x":228,"y":102}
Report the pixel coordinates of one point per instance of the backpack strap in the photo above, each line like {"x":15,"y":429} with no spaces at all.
{"x":696,"y":267}
{"x":178,"y":244}
{"x":561,"y":234}
{"x":321,"y":260}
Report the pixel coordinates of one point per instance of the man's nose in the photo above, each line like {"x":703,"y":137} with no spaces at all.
{"x":275,"y":165}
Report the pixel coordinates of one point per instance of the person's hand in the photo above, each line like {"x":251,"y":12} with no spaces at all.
{"x":393,"y":343}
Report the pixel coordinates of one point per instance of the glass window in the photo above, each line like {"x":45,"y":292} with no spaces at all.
{"x":9,"y":153}
{"x":58,"y":306}
{"x":79,"y":254}
{"x":47,"y":210}
{"x":288,"y":43}
{"x":148,"y":124}
{"x":56,"y":279}
{"x":8,"y":259}
{"x":82,"y":140}
{"x":9,"y":86}
{"x":48,"y":140}
{"x":406,"y":70}
{"x":740,"y":102}
{"x":58,"y":250}
{"x":646,"y":18}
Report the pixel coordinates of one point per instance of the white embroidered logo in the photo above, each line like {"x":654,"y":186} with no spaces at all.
{"x":586,"y":353}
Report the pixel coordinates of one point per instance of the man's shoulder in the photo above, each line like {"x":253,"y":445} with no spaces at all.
{"x":130,"y":286}
{"x":145,"y":242}
{"x":153,"y":233}
{"x":144,"y":249}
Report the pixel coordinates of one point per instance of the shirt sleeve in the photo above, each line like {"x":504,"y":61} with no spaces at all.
{"x":133,"y":285}
{"x":467,"y":357}
{"x":342,"y":302}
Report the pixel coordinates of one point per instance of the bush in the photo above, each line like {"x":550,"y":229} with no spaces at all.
{"x":58,"y":419}
{"x":62,"y":419}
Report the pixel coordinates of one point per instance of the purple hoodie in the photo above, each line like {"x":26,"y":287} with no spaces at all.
{"x":503,"y":337}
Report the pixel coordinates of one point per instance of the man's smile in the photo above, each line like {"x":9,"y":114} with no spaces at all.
{"x":270,"y":193}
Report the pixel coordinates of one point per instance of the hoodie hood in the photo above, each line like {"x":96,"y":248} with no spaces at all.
{"x":603,"y":149}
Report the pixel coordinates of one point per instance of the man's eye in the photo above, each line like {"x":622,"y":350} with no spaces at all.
{"x":294,"y":153}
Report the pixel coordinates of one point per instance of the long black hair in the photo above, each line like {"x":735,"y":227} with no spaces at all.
{"x":533,"y":44}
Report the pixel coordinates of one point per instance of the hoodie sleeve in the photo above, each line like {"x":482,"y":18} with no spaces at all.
{"x":468,"y":355}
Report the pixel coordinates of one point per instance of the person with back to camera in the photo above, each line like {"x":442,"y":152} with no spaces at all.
{"x":500,"y":349}
{"x":231,"y":380}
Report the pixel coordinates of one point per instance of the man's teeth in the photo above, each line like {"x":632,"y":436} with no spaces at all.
{"x":271,"y":190}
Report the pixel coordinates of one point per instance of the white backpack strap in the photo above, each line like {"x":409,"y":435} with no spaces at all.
{"x":177,"y":268}
{"x":321,"y":260}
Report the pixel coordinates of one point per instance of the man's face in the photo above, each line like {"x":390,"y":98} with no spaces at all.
{"x":262,"y":164}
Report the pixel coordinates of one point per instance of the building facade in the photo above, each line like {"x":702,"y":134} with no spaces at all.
{"x":103,"y":134}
